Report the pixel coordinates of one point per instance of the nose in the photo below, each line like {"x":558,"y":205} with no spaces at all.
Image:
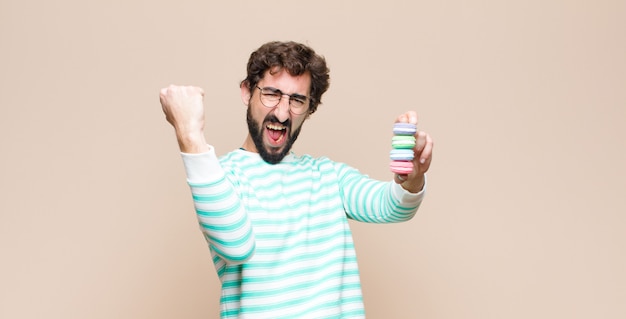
{"x":282,"y":109}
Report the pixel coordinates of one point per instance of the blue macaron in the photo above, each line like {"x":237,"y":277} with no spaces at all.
{"x":401,"y":155}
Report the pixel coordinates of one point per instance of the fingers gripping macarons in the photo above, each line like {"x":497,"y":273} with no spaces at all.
{"x":411,"y":152}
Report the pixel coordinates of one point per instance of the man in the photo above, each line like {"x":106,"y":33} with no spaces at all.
{"x":277,"y":223}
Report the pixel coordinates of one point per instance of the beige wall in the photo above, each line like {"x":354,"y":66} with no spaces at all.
{"x":526,"y":101}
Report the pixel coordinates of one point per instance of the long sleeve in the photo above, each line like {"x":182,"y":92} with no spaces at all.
{"x":372,"y":201}
{"x":221,"y":215}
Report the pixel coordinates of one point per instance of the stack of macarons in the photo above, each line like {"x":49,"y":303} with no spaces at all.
{"x":403,"y":142}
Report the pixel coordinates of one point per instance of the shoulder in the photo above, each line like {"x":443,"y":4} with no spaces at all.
{"x":239,"y":157}
{"x":309,"y":160}
{"x":322,"y":163}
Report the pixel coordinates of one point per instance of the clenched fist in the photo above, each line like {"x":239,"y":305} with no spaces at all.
{"x":184,"y":110}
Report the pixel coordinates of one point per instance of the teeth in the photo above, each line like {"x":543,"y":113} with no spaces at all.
{"x":275,"y":127}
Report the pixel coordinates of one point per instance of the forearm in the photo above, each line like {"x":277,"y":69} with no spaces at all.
{"x":372,"y":201}
{"x":191,"y":142}
{"x":221,"y":216}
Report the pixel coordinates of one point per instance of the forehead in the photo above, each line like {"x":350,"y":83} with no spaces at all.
{"x":280,"y":79}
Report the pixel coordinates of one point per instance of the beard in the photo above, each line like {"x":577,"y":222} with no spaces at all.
{"x":256,"y":132}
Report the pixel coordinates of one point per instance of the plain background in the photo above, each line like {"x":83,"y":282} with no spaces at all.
{"x":526,"y":101}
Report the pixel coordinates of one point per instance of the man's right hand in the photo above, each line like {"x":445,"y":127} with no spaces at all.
{"x":184,"y":110}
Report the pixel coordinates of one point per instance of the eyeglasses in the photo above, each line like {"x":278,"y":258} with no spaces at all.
{"x":270,"y":97}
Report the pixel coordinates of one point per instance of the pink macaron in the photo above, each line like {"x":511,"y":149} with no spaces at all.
{"x":401,"y":167}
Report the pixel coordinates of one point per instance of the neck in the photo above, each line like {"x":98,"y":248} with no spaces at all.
{"x":248,"y":145}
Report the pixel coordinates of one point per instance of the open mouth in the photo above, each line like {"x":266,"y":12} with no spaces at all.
{"x":276,"y":133}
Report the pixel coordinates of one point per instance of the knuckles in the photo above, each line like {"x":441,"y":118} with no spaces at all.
{"x":180,"y":92}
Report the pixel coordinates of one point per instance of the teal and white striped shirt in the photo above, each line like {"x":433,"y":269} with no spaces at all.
{"x":279,"y":234}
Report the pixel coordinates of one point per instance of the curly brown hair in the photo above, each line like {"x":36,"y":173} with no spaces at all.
{"x":294,"y":57}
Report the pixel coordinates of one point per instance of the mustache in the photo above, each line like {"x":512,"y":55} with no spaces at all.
{"x":273,"y":119}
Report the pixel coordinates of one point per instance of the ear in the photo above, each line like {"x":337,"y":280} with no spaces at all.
{"x":245,"y":92}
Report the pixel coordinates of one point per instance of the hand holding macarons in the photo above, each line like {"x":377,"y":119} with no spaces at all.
{"x":411,"y":153}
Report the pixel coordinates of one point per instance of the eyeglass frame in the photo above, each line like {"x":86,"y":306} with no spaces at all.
{"x":292,"y":97}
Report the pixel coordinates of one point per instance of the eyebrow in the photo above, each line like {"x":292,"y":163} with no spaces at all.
{"x":293,"y":95}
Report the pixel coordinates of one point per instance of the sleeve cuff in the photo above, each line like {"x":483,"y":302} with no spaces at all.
{"x":202,"y":167}
{"x":407,"y":197}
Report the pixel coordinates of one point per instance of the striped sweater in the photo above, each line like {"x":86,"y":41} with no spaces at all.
{"x":279,"y":234}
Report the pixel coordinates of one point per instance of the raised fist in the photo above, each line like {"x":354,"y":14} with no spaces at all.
{"x":184,"y":110}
